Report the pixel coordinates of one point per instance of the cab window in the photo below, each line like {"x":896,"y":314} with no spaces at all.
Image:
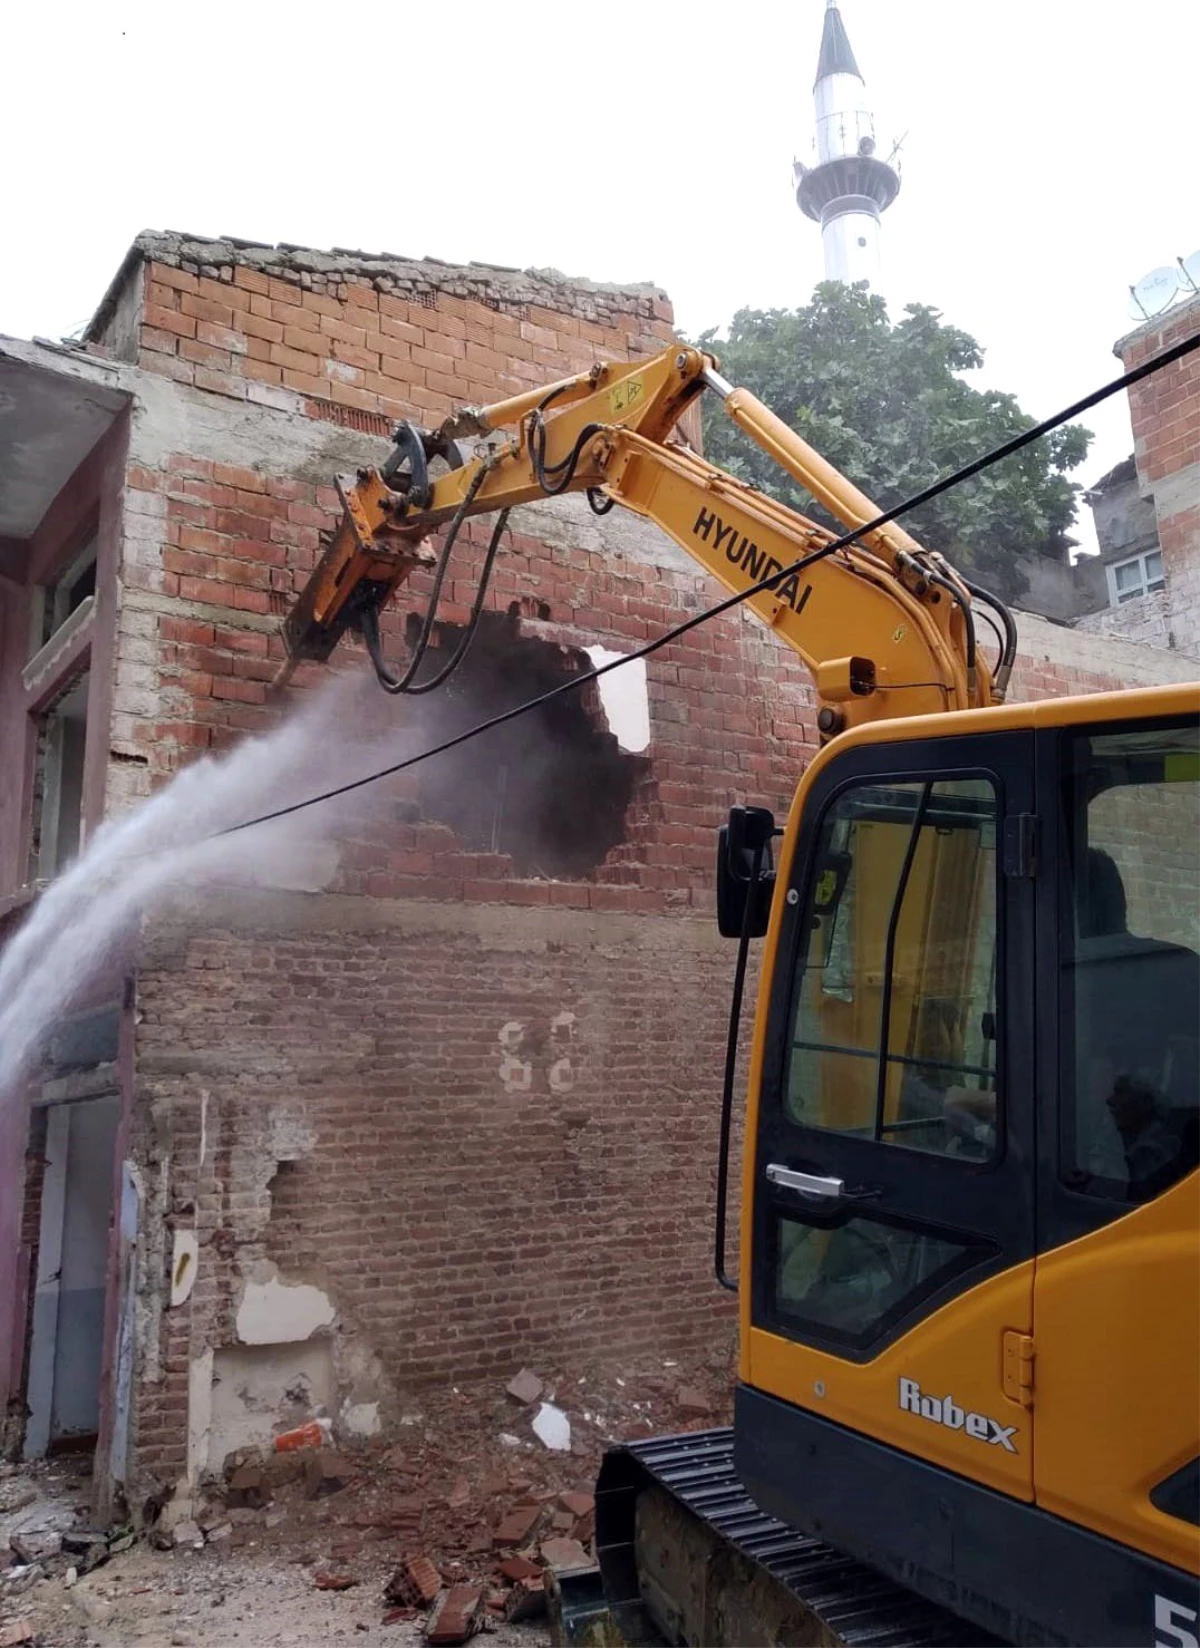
{"x":1130,"y":978}
{"x":894,"y":1013}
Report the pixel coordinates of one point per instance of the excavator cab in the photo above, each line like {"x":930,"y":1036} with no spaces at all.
{"x":970,"y":1282}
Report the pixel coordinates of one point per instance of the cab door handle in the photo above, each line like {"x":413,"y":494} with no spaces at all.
{"x":806,"y":1184}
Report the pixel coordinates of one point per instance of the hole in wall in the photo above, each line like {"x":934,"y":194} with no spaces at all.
{"x":551,"y":790}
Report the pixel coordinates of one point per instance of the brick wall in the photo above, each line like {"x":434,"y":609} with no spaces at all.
{"x":1165,"y":411}
{"x":473,"y":1106}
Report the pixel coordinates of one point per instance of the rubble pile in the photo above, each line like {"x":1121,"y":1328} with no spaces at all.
{"x":454,"y":1528}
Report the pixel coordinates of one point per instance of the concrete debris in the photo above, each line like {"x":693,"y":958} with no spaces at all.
{"x":20,"y":1631}
{"x":525,"y":1388}
{"x":78,"y":1541}
{"x":188,"y":1533}
{"x":552,"y":1428}
{"x":69,"y":1578}
{"x":16,"y":1494}
{"x":35,"y":1546}
{"x":508,"y":1440}
{"x":274,"y":1517}
{"x":564,"y":1553}
{"x":223,"y":1530}
{"x":15,"y":1580}
{"x":459,"y":1613}
{"x":692,"y":1402}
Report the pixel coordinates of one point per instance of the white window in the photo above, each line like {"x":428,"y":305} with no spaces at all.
{"x":1139,"y":575}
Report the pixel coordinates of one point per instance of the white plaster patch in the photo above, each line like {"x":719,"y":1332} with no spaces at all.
{"x":185,"y":1258}
{"x":361,"y":1418}
{"x":200,"y":1401}
{"x":274,"y":1313}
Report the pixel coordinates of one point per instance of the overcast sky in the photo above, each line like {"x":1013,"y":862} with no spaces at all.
{"x":1050,"y":158}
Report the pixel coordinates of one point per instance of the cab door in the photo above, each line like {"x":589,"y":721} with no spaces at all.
{"x":1117,"y":1298}
{"x":890,"y":1272}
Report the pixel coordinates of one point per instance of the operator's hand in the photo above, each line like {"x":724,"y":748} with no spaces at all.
{"x":970,"y":1114}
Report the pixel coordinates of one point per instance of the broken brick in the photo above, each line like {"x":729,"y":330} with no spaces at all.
{"x":397,"y":1616}
{"x":562,"y":1522}
{"x":457,"y":1616}
{"x":516,"y":1526}
{"x":525,"y":1388}
{"x":416,"y":1581}
{"x":515,"y":1568}
{"x":564,"y":1553}
{"x":334,"y":1582}
{"x":691,"y":1401}
{"x":526,"y":1600}
{"x":325,"y":1472}
{"x":579,"y":1504}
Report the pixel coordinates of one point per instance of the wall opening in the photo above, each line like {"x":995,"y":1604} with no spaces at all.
{"x":56,"y":822}
{"x":74,"y":1145}
{"x":54,"y":602}
{"x":552,"y":789}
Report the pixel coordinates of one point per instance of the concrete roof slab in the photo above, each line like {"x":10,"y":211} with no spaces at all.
{"x":50,"y":419}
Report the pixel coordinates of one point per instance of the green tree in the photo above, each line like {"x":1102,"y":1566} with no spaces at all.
{"x":886,"y":405}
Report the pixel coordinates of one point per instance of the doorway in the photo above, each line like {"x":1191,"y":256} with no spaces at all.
{"x":66,"y":1340}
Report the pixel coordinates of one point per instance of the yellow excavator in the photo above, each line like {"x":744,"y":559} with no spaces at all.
{"x":968,"y":1274}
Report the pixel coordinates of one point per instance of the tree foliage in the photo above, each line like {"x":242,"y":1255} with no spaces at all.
{"x":885,"y":403}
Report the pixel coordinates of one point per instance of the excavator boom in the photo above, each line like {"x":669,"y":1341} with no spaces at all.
{"x":884,"y":625}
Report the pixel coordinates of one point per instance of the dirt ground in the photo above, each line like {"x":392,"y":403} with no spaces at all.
{"x":463,"y":1482}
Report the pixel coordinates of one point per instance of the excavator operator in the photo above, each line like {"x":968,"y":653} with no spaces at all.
{"x":1127,"y":988}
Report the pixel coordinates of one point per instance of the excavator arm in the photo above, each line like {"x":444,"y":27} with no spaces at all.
{"x":885,"y":627}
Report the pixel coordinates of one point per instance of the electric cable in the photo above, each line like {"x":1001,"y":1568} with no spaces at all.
{"x":1036,"y":432}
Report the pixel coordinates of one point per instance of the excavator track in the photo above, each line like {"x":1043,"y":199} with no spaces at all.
{"x":687,"y":1557}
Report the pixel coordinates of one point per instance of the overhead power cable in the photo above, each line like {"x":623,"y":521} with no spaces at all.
{"x":996,"y":455}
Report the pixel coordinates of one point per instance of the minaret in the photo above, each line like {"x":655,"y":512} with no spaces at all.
{"x":848,"y":187}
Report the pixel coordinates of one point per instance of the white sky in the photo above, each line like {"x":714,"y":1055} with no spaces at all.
{"x":1050,"y":159}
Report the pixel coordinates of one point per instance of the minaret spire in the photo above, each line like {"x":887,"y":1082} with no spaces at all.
{"x":848,"y":188}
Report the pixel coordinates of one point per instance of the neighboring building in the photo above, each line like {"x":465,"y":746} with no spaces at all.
{"x":1145,"y":583}
{"x":407,"y":1110}
{"x":849,"y":187}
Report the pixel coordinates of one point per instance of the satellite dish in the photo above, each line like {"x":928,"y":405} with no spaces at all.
{"x":1153,"y":293}
{"x":1191,"y":269}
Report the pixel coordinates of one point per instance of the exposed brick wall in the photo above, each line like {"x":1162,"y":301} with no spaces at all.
{"x":1165,"y":411}
{"x":506,"y":1126}
{"x":384,"y":336}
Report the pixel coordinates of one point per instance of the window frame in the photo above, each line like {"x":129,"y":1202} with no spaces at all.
{"x":1147,"y":585}
{"x":1106,"y":1202}
{"x":805,"y":884}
